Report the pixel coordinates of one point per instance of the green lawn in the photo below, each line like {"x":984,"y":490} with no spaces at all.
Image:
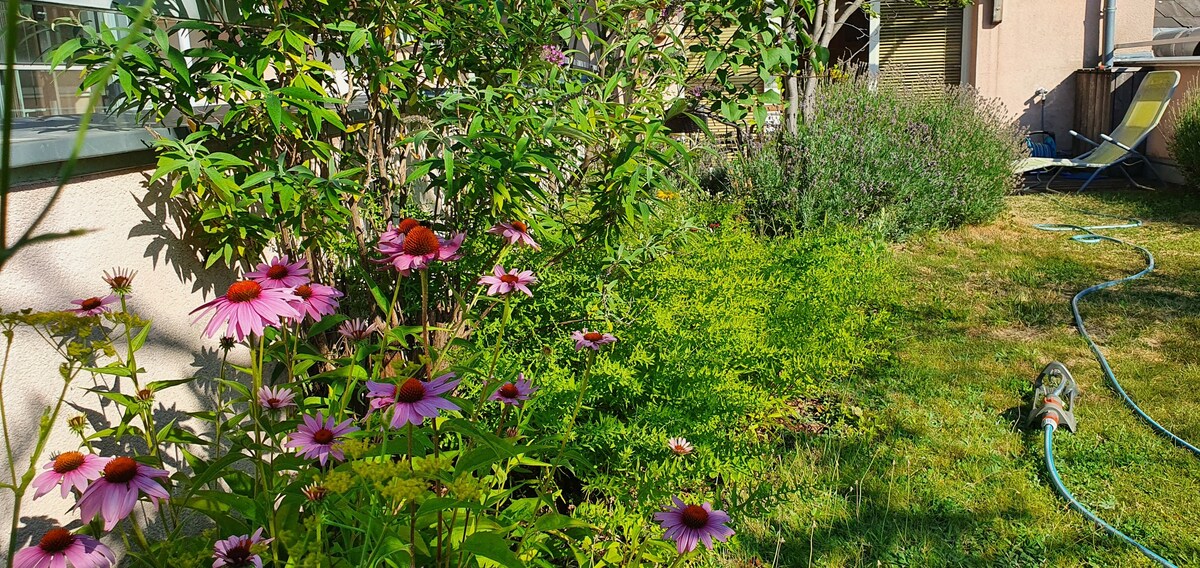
{"x":941,"y":475}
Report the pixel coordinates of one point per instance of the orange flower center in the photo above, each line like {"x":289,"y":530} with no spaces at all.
{"x":277,"y":272}
{"x":120,"y":281}
{"x":413,"y":390}
{"x":694,"y":516}
{"x":420,"y":242}
{"x":91,"y":303}
{"x":304,"y":291}
{"x":145,"y":394}
{"x":120,"y":470}
{"x":593,"y":336}
{"x":509,"y":390}
{"x":272,"y":402}
{"x":56,"y":540}
{"x":243,"y":291}
{"x":509,"y":279}
{"x":520,"y":226}
{"x":67,"y":462}
{"x":407,"y":225}
{"x":323,"y":436}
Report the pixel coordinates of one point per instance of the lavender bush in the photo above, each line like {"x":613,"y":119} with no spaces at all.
{"x":892,"y":160}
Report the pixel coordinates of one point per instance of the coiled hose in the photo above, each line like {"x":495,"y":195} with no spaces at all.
{"x":1087,"y":235}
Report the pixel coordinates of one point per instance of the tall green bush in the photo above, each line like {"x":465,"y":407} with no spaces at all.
{"x":888,"y":159}
{"x":1185,"y":144}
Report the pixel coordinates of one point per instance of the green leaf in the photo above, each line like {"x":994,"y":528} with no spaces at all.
{"x":494,"y":547}
{"x":274,"y":110}
{"x":140,"y":339}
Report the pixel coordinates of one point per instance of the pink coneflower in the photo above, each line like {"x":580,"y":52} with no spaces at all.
{"x":318,"y":437}
{"x":316,"y":300}
{"x":419,"y":247}
{"x":120,"y":281}
{"x":504,"y":283}
{"x":591,"y":339}
{"x":239,"y":551}
{"x":514,"y":393}
{"x":247,"y":308}
{"x":516,"y":233}
{"x":413,"y":400}
{"x":115,"y":494}
{"x":93,"y":306}
{"x":689,"y":524}
{"x":356,"y":329}
{"x":58,"y":547}
{"x":71,"y":470}
{"x":280,"y":273}
{"x":680,"y":446}
{"x":275,"y":398}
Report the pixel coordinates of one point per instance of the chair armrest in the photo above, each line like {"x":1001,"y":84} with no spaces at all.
{"x":1108,"y":138}
{"x":1084,"y":138}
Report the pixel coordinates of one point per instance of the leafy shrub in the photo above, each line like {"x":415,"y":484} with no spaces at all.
{"x":1185,"y":144}
{"x":890,"y":160}
{"x":721,"y":343}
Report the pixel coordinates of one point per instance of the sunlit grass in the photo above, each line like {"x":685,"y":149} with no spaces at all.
{"x":941,"y":475}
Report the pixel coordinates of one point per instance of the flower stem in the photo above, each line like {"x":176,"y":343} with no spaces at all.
{"x":562,"y":448}
{"x":412,"y":506}
{"x":12,"y":463}
{"x":504,"y":318}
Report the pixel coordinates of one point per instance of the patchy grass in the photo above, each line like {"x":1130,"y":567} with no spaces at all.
{"x":941,"y":475}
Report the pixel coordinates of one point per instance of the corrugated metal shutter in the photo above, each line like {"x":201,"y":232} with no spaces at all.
{"x":920,"y":47}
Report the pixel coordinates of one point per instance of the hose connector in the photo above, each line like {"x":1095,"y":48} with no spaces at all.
{"x":1054,"y":396}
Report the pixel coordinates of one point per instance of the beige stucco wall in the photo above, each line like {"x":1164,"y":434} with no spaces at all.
{"x":1156,"y":144}
{"x":1040,"y":44}
{"x":132,"y":231}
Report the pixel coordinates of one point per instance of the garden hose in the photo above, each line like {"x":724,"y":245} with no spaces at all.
{"x":1049,"y":406}
{"x":1088,"y":236}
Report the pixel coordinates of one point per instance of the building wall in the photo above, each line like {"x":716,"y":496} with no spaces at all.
{"x":130,"y":229}
{"x":1040,"y":44}
{"x":1156,"y":143}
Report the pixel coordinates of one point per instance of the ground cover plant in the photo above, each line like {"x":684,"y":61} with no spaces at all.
{"x":940,"y":474}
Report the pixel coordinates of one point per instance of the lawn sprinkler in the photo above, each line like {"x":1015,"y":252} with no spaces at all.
{"x":1054,"y":397}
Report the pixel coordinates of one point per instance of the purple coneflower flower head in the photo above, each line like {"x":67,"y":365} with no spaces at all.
{"x":58,"y":548}
{"x":120,"y":281}
{"x":356,"y":329}
{"x":380,"y":396}
{"x":554,"y":55}
{"x":514,"y":393}
{"x":591,"y":339}
{"x":504,"y":283}
{"x":248,"y":308}
{"x":680,"y":446}
{"x":71,"y":470}
{"x":516,"y":233}
{"x":93,"y":306}
{"x":419,"y":247}
{"x":318,"y":438}
{"x":275,"y":398}
{"x":239,"y":551}
{"x":413,"y":400}
{"x":315,"y":300}
{"x":114,"y":495}
{"x":689,"y":524}
{"x":280,"y":273}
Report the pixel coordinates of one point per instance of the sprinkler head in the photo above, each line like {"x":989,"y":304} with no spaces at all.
{"x":1054,"y":396}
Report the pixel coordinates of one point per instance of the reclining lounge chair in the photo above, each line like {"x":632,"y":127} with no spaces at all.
{"x":1147,"y":109}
